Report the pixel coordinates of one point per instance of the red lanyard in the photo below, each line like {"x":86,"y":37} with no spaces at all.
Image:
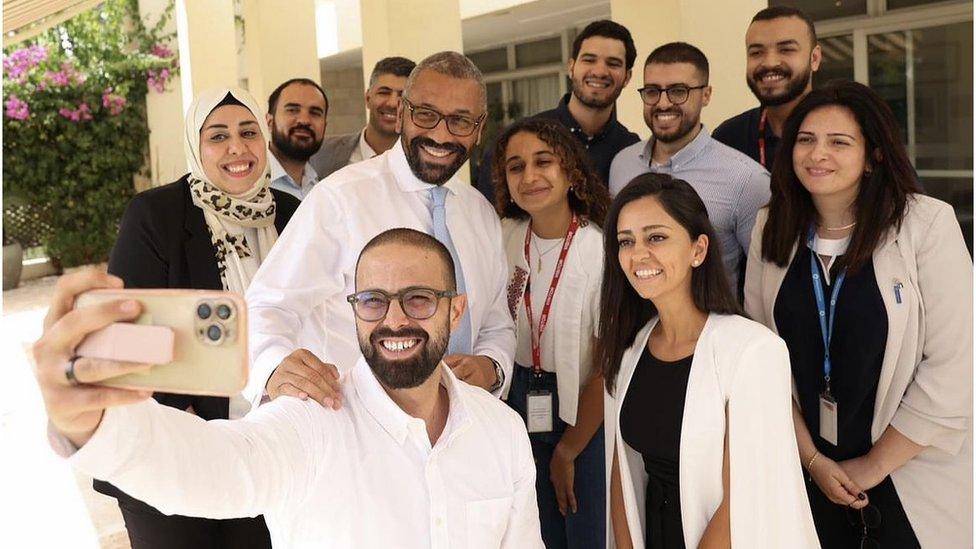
{"x":762,"y":139}
{"x":534,"y":336}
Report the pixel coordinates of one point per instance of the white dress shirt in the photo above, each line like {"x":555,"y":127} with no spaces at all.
{"x":363,"y":151}
{"x":283,"y":182}
{"x":297,"y":299}
{"x":363,"y":476}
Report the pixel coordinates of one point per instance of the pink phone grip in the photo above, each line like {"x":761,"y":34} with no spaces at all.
{"x":128,"y":342}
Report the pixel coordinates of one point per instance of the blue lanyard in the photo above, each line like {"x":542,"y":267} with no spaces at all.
{"x":826,"y":317}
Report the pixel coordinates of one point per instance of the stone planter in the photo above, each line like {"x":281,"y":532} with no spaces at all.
{"x":13,"y":262}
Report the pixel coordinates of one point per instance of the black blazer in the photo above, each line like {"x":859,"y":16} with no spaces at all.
{"x":163,"y":242}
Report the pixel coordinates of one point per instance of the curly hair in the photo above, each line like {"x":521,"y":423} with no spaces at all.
{"x":589,"y":198}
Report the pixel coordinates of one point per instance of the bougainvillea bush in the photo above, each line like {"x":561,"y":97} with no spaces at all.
{"x":74,"y":123}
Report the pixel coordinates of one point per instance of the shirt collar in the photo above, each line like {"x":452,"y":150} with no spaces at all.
{"x":365,"y":150}
{"x":405,"y":179}
{"x":687,"y":154}
{"x":391,"y":417}
{"x":566,"y":118}
{"x":278,"y":172}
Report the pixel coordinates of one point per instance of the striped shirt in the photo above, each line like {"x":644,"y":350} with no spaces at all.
{"x":732,"y":186}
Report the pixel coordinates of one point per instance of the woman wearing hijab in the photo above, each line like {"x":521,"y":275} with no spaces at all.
{"x":210,"y":230}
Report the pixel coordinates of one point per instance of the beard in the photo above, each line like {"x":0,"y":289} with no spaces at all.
{"x":592,"y":102}
{"x":435,"y":174}
{"x":409,"y":372}
{"x":686,"y":126}
{"x":796,"y":85}
{"x":295,"y":149}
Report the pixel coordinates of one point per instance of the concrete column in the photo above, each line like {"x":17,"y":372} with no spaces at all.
{"x":208,"y":45}
{"x":279,"y":44}
{"x":411,"y":28}
{"x":717,"y":28}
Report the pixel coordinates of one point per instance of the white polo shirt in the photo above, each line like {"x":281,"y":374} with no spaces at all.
{"x":363,"y":476}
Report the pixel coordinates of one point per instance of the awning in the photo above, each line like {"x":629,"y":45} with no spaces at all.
{"x":25,"y":19}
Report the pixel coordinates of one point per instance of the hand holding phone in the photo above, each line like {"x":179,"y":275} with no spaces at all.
{"x":197,"y":340}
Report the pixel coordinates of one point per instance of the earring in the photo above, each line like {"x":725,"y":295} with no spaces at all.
{"x":695,"y":263}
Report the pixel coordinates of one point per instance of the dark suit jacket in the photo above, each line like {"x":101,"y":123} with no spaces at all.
{"x":334,"y":153}
{"x":163,"y":242}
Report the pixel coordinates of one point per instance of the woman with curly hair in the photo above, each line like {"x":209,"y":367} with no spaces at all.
{"x":552,"y":206}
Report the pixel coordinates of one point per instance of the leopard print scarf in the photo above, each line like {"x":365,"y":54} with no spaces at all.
{"x":228,"y":218}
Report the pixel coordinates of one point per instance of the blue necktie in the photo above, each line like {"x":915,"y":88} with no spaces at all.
{"x":461,"y":338}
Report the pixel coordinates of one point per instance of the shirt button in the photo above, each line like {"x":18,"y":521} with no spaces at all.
{"x":438,"y":521}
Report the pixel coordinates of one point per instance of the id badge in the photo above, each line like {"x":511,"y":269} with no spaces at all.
{"x":828,"y":418}
{"x":538,"y":415}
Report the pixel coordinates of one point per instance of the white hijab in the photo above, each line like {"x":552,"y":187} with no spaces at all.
{"x":231,"y":217}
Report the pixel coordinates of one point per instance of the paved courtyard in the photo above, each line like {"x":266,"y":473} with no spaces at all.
{"x":46,"y":503}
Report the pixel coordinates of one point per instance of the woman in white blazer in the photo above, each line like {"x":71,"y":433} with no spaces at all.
{"x":890,"y":433}
{"x":698,"y":415}
{"x":552,"y":206}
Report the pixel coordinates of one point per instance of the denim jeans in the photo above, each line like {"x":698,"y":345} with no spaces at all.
{"x":585,"y":529}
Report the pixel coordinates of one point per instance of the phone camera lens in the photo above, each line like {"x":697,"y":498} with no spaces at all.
{"x":223,"y":311}
{"x":214,"y":333}
{"x":204,"y":311}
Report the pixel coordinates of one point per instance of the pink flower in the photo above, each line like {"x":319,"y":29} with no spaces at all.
{"x":17,"y":109}
{"x":157,"y":80}
{"x":18,"y":63}
{"x":160,"y":50}
{"x":83,"y":112}
{"x":113,"y":102}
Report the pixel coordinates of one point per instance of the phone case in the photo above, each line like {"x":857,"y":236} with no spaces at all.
{"x":200,"y":366}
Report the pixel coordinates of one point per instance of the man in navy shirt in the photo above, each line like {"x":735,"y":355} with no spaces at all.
{"x":781,"y":56}
{"x":600,"y":68}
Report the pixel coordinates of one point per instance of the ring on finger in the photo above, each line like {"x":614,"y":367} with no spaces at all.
{"x":69,"y":371}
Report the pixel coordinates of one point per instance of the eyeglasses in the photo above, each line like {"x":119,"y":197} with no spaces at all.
{"x":676,"y":94}
{"x":416,"y":302}
{"x":428,"y":119}
{"x":868,"y":517}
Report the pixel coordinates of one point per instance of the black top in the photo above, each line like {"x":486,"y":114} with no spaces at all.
{"x":650,"y":422}
{"x":742,"y":134}
{"x":856,"y":351}
{"x":600,"y":148}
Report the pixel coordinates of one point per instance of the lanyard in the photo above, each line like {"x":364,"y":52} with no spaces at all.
{"x":826,"y":316}
{"x":762,"y":138}
{"x":543,"y":320}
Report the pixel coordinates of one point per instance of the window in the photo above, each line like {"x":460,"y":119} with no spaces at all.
{"x":819,"y":10}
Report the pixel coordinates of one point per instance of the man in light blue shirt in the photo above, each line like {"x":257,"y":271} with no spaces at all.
{"x":732,"y":185}
{"x":297,"y":112}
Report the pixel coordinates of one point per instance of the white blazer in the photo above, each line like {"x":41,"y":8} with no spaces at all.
{"x":575,"y":306}
{"x":740,"y":364}
{"x":926,"y":386}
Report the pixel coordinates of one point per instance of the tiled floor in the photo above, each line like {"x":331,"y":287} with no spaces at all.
{"x":45,"y":503}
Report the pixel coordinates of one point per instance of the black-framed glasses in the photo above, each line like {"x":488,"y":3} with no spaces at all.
{"x":417,"y":302}
{"x":867,"y":518}
{"x":428,"y":119}
{"x":677,"y":95}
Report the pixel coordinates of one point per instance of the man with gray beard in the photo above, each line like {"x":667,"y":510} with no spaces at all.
{"x":415,"y":458}
{"x":302,"y":330}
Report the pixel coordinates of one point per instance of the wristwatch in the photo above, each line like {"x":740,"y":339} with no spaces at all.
{"x":499,"y":375}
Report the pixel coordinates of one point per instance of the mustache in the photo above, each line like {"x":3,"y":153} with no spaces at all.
{"x":673,"y":110}
{"x":300,"y":126}
{"x":408,"y":332}
{"x":454,"y":147}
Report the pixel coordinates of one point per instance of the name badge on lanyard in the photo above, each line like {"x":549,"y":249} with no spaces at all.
{"x":539,"y":408}
{"x":828,"y":404}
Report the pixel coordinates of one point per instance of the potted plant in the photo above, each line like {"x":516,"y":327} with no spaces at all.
{"x":13,"y":262}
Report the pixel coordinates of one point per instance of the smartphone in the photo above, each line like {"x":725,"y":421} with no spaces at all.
{"x":202,"y":333}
